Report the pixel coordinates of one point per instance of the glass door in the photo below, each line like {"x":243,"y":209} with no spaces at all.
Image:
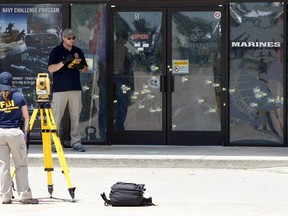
{"x":165,"y":76}
{"x":137,"y":67}
{"x":195,"y":68}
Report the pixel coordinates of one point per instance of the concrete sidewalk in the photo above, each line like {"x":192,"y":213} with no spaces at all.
{"x":182,"y":181}
{"x":168,"y":156}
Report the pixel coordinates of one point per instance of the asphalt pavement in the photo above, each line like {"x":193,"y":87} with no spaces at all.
{"x":210,"y":182}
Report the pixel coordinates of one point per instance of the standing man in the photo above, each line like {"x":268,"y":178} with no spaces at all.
{"x":66,"y":84}
{"x":13,"y":116}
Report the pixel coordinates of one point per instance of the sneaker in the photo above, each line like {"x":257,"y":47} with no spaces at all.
{"x":29,"y":201}
{"x":79,"y":148}
{"x":7,"y":202}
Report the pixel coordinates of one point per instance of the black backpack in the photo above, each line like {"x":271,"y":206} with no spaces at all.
{"x":127,"y":194}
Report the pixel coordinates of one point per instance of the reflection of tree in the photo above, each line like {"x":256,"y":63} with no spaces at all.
{"x":85,"y":14}
{"x":85,"y":17}
{"x":120,"y":25}
{"x":201,"y":37}
{"x":186,"y":25}
{"x":141,"y":25}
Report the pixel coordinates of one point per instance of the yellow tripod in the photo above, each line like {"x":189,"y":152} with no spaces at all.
{"x":49,"y":129}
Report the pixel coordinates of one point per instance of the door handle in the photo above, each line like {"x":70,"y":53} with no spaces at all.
{"x":162,"y":83}
{"x":170,"y":84}
{"x":166,"y":83}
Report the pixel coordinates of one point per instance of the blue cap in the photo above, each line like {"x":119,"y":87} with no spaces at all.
{"x":5,"y":81}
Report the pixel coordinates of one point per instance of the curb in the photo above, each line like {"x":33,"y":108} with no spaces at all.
{"x":167,"y":162}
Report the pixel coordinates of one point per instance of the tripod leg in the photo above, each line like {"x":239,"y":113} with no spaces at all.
{"x":63,"y":164}
{"x":32,"y":119}
{"x":59,"y":149}
{"x":48,"y":163}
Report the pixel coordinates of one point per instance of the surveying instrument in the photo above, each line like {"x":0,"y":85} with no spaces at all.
{"x":48,"y":130}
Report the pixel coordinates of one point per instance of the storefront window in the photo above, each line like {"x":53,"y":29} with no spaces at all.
{"x":256,"y":72}
{"x":89,"y":23}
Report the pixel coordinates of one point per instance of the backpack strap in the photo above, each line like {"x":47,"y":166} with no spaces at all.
{"x":106,"y":201}
{"x":147,"y":202}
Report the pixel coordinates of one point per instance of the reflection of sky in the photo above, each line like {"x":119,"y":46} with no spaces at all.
{"x":255,"y":9}
{"x":254,"y":5}
{"x":153,"y":18}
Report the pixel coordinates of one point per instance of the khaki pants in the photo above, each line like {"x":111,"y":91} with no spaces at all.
{"x":12,"y":141}
{"x":59,"y":102}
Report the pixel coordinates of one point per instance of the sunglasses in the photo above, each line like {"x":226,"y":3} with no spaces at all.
{"x":69,"y":38}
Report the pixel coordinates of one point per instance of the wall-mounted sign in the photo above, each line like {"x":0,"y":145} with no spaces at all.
{"x":28,"y":33}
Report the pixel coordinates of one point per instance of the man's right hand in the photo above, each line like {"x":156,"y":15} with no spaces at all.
{"x":68,"y":59}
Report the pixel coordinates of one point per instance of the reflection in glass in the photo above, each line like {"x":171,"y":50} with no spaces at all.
{"x":256,"y":72}
{"x":88,"y":21}
{"x":196,"y":56}
{"x":136,"y":70}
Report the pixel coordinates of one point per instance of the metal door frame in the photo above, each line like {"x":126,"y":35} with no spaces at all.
{"x":166,"y":136}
